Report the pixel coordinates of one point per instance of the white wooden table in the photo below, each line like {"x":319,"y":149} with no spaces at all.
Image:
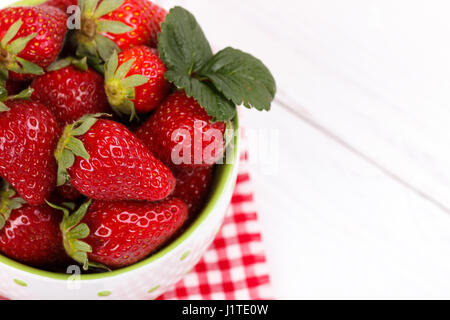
{"x":358,"y":204}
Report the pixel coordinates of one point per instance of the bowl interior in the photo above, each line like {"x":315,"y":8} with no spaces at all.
{"x":223,"y":176}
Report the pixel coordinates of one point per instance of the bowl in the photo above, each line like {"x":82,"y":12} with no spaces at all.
{"x":146,"y":279}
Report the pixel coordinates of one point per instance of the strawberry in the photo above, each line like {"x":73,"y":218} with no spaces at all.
{"x":134,"y":81}
{"x":180,"y":132}
{"x":111,"y":25}
{"x":193,"y":186}
{"x":31,"y":39}
{"x":105,"y":161}
{"x":61,"y":4}
{"x":71,"y":91}
{"x":29,"y":234}
{"x":28,"y":136}
{"x":118,"y":234}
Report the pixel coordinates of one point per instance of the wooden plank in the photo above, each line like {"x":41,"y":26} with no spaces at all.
{"x":334,"y":226}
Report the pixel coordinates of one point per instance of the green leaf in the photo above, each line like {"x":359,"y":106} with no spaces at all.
{"x":19,"y":44}
{"x":11,"y":33}
{"x":89,"y":7}
{"x":59,"y":64}
{"x":77,"y":147}
{"x":4,"y":74}
{"x":3,"y":93}
{"x":8,"y":203}
{"x":63,"y":209}
{"x":68,"y":159}
{"x":24,"y":95}
{"x":123,"y":70}
{"x":241,"y":78}
{"x":133,"y":81}
{"x":75,"y":218}
{"x":84,"y":126}
{"x":3,"y":107}
{"x":107,"y":6}
{"x":215,"y":104}
{"x":29,"y":67}
{"x":105,"y":47}
{"x":81,"y":64}
{"x":81,"y":231}
{"x":111,"y":26}
{"x":111,"y":66}
{"x":182,"y":44}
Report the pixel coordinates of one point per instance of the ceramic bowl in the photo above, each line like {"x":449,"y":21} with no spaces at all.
{"x":145,"y":280}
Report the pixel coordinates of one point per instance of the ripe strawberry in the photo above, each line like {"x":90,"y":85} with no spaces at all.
{"x":29,"y":234}
{"x":71,"y":91}
{"x":180,"y":132}
{"x":118,"y":234}
{"x":61,"y":4}
{"x":115,"y":25}
{"x":134,"y":81}
{"x":31,"y":39}
{"x":108,"y":162}
{"x":193,"y":186}
{"x":28,"y":136}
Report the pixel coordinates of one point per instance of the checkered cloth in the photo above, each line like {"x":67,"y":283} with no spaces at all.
{"x":234,"y":267}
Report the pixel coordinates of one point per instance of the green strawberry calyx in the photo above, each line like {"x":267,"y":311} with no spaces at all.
{"x":10,"y":50}
{"x":90,"y":38}
{"x":119,"y":88}
{"x":24,"y":95}
{"x":80,"y":64}
{"x":73,"y":232}
{"x":8,"y":203}
{"x":69,"y":146}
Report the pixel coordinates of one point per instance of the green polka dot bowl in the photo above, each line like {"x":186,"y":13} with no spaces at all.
{"x":147,"y":279}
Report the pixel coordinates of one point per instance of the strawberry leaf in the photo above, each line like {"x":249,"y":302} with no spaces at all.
{"x":241,"y":78}
{"x":11,"y":33}
{"x":182,"y":43}
{"x":115,"y":27}
{"x":19,"y":44}
{"x":28,"y":67}
{"x":107,"y":6}
{"x":24,"y":95}
{"x":80,"y":64}
{"x":8,"y":203}
{"x":105,"y":47}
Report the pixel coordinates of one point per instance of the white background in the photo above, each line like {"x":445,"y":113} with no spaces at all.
{"x":358,"y":204}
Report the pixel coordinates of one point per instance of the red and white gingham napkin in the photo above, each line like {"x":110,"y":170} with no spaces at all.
{"x":234,"y":267}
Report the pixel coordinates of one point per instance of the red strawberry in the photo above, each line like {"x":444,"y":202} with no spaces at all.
{"x":193,"y":186}
{"x":61,"y":4}
{"x":31,"y":39}
{"x":29,"y":234}
{"x":134,"y":81}
{"x":108,"y":162}
{"x":182,"y":128}
{"x":71,"y":93}
{"x":118,"y":234}
{"x":114,"y":25}
{"x":28,"y":137}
